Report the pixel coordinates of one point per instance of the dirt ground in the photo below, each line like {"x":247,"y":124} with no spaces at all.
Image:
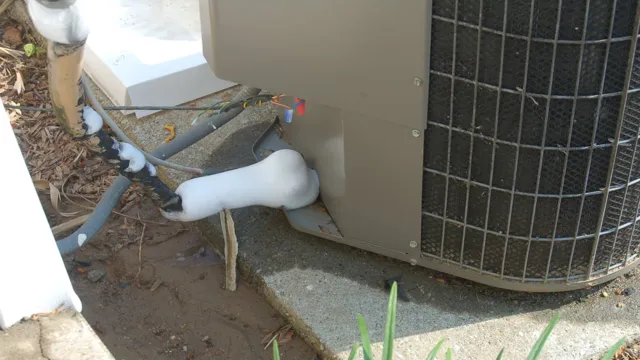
{"x":161,"y":294}
{"x":163,"y":298}
{"x":151,"y":289}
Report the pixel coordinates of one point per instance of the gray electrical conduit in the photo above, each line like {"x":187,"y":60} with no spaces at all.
{"x":116,"y":129}
{"x":111,"y":197}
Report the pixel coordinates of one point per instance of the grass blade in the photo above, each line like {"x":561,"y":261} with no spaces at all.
{"x":613,"y":350}
{"x":364,"y":335}
{"x":354,"y":351}
{"x":432,"y":355}
{"x":500,"y":354}
{"x":537,"y":347}
{"x":276,"y":351}
{"x":449,"y":355}
{"x":390,"y":328}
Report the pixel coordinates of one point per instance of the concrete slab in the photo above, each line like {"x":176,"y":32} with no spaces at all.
{"x":65,"y":336}
{"x":148,"y":132}
{"x":21,"y":341}
{"x":320,"y":286}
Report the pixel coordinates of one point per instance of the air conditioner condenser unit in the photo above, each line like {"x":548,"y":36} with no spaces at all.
{"x":494,"y":140}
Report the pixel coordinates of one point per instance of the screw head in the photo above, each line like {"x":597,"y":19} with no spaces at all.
{"x":415,"y":133}
{"x":413,"y":244}
{"x":413,"y":262}
{"x":417,"y":81}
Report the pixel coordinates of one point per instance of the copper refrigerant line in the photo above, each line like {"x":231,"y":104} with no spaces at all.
{"x":71,"y":99}
{"x":70,"y":91}
{"x":84,"y":124}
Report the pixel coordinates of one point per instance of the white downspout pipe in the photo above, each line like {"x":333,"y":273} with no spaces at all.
{"x":33,"y":278}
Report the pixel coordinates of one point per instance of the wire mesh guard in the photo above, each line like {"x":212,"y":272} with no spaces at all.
{"x":531,"y":168}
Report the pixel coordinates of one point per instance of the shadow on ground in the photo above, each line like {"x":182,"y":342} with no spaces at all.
{"x":327,"y":283}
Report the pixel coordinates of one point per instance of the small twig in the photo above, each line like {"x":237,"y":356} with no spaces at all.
{"x":11,"y":52}
{"x":527,"y":95}
{"x":45,"y":101}
{"x":141,"y":220}
{"x":16,"y":54}
{"x":275,"y":334}
{"x":81,"y":151}
{"x":144,"y":226}
{"x":48,"y":313}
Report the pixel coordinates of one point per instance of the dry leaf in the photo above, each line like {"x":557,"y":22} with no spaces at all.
{"x":285,"y":337}
{"x":18,"y":86}
{"x":156,"y":284}
{"x":54,"y":193}
{"x":68,"y":225}
{"x":41,"y":184}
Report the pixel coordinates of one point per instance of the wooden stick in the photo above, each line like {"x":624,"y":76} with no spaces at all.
{"x":144,"y":227}
{"x":230,"y":248}
{"x":71,"y":224}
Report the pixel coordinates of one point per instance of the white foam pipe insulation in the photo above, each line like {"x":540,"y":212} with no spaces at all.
{"x":282,"y":180}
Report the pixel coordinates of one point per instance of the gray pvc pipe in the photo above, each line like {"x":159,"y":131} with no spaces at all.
{"x":203,"y":128}
{"x":111,"y":197}
{"x":98,"y":217}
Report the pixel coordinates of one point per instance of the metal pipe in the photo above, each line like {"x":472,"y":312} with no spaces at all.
{"x":62,"y":23}
{"x":203,"y":128}
{"x":66,"y":41}
{"x":116,"y":129}
{"x":111,"y":197}
{"x":98,"y":217}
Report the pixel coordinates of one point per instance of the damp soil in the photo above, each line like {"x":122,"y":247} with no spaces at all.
{"x":164,"y":298}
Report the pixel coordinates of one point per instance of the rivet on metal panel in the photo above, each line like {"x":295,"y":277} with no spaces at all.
{"x":417,"y":81}
{"x":415,"y":133}
{"x":413,"y":244}
{"x":413,"y":262}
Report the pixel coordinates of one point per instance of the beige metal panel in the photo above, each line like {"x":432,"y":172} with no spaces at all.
{"x":359,"y":55}
{"x":318,"y":135}
{"x":370,"y":174}
{"x":383,"y":163}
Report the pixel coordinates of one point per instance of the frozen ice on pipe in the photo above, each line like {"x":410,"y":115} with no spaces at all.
{"x":282,"y":180}
{"x":33,"y":278}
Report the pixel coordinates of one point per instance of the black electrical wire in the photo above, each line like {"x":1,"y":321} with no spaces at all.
{"x":131,"y":107}
{"x":112,"y":195}
{"x":220,"y":106}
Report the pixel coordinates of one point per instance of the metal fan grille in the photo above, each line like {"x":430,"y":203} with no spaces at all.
{"x":531,"y":165}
